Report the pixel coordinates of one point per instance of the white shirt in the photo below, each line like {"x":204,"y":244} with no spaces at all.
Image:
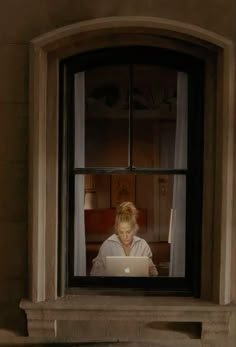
{"x":113,"y":247}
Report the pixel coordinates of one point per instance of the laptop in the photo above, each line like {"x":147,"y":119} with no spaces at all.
{"x":127,"y":266}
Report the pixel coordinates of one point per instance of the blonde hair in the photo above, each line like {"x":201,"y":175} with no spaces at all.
{"x":128,"y":213}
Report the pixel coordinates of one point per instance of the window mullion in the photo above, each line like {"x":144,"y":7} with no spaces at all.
{"x":130,"y":143}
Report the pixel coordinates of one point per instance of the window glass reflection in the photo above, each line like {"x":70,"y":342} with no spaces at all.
{"x":159,"y":117}
{"x":159,"y":112}
{"x":101,"y":117}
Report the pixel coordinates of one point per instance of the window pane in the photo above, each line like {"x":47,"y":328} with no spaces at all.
{"x":101,"y":117}
{"x":161,"y":202}
{"x":159,"y":118}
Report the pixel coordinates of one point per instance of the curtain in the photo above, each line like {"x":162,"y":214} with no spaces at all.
{"x":178,"y":212}
{"x":79,"y":226}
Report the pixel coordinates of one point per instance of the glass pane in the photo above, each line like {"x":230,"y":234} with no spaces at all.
{"x":161,"y":204}
{"x":101,"y":117}
{"x":159,"y":118}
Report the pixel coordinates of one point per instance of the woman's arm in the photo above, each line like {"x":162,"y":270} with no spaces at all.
{"x":147,"y":252}
{"x":98,"y":268}
{"x":99,"y":263}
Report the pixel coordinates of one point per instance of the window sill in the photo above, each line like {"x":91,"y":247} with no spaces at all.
{"x":104,"y":316}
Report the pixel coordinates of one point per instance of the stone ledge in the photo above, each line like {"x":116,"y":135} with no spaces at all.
{"x":37,"y":342}
{"x":116,"y":318}
{"x":121,"y":303}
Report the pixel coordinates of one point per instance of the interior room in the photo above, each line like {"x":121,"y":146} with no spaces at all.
{"x":106,"y":133}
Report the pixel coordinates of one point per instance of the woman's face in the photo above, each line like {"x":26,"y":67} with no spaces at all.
{"x":125,"y":233}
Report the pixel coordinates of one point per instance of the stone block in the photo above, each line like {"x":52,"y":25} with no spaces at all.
{"x":13,"y":265}
{"x":12,"y":321}
{"x":126,"y":331}
{"x":14,"y":71}
{"x":13,"y":192}
{"x":30,"y":19}
{"x":13,"y":132}
{"x":13,"y":290}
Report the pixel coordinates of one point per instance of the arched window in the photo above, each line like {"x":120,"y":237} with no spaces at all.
{"x":53,"y":172}
{"x":131,"y":129}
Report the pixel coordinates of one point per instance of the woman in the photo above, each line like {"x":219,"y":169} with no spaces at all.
{"x":123,"y":242}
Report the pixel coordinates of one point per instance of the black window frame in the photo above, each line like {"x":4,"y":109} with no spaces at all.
{"x":195,"y":68}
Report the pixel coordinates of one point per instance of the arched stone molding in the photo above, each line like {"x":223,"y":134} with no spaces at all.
{"x":46,"y":51}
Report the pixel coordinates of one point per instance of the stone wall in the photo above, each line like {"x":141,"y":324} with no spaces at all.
{"x":20,"y":22}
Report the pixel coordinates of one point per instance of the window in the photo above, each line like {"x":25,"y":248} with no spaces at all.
{"x":131,"y":129}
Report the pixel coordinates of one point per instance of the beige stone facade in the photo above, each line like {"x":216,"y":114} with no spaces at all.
{"x":24,"y":221}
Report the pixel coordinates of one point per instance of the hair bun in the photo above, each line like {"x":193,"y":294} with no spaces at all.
{"x":127,"y":208}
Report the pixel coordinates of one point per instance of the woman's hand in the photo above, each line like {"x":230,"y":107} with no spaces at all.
{"x":153,"y":271}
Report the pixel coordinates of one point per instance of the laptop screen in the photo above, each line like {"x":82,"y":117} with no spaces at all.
{"x":127,"y":266}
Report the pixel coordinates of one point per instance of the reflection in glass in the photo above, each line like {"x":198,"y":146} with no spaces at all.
{"x":161,"y":202}
{"x":159,"y":127}
{"x":101,"y":117}
{"x":159,"y":118}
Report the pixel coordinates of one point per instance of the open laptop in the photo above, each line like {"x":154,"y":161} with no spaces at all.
{"x":127,"y":266}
